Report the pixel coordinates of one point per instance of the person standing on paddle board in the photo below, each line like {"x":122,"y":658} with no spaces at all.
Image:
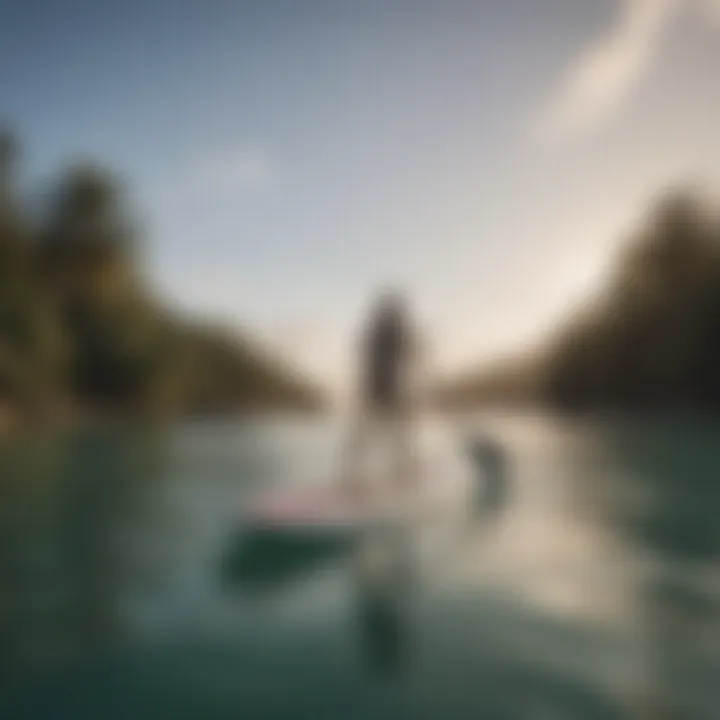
{"x":388,"y":363}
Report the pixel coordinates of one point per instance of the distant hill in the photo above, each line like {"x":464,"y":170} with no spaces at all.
{"x":81,"y":330}
{"x":514,"y":381}
{"x":649,"y":340}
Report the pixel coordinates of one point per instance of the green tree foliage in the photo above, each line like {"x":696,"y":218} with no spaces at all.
{"x":79,"y":327}
{"x":31,"y":338}
{"x":649,"y":340}
{"x":652,"y":339}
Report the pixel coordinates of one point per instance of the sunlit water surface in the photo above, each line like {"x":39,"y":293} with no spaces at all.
{"x":592,"y":594}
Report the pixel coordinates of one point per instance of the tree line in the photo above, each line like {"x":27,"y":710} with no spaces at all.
{"x":82,"y":331}
{"x":649,"y":340}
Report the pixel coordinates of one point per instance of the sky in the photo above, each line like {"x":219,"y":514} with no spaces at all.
{"x":288,"y":157}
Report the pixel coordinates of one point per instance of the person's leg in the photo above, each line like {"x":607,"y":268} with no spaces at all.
{"x":357,"y":461}
{"x":401,"y":435}
{"x":352,"y":454}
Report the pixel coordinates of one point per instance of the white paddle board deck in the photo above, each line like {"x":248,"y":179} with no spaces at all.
{"x":287,"y":532}
{"x":336,"y":506}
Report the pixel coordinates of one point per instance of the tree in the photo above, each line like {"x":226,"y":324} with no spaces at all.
{"x":652,"y":342}
{"x":78,"y":324}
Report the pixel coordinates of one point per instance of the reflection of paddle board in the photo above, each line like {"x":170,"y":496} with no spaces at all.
{"x":288,"y":532}
{"x":265,"y":559}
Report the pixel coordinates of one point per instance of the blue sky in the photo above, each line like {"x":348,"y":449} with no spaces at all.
{"x":287,"y":156}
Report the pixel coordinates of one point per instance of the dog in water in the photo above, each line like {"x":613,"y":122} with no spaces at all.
{"x":491,"y":490}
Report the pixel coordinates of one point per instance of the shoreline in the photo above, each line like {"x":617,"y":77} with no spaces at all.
{"x":14,"y":421}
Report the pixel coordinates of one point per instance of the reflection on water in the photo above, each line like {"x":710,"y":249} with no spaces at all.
{"x":673,"y":469}
{"x":69,"y":505}
{"x":384,"y":572}
{"x":593,"y":595}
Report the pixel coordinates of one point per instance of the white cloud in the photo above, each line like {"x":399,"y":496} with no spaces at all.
{"x":602,"y":78}
{"x":239,"y":170}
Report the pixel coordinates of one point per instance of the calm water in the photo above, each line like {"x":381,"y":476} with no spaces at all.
{"x":592,"y":595}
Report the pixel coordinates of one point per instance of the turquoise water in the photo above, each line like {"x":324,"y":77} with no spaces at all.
{"x":591,"y":595}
